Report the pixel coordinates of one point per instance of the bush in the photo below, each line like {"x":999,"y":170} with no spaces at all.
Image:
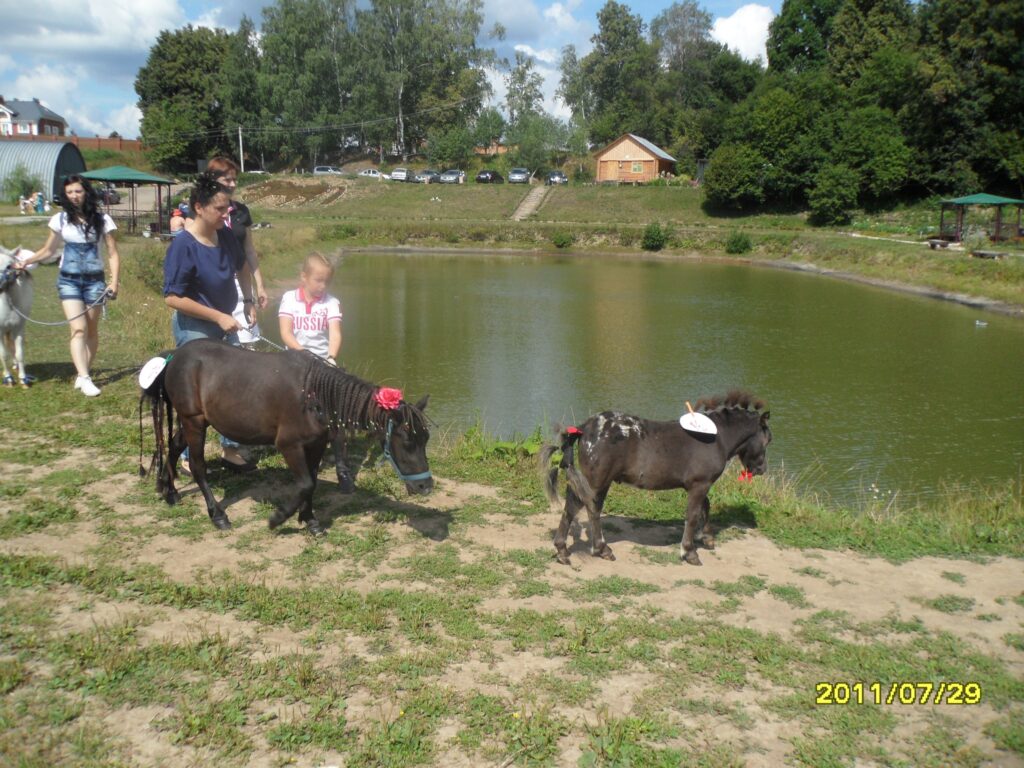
{"x":834,"y":194}
{"x":735,"y":177}
{"x":738,"y":242}
{"x":20,"y":183}
{"x":654,"y":238}
{"x":562,"y":239}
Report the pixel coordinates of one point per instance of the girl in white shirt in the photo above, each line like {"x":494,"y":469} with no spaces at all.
{"x":81,"y":284}
{"x":309,"y":317}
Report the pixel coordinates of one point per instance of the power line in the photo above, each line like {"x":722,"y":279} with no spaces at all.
{"x":312,"y":128}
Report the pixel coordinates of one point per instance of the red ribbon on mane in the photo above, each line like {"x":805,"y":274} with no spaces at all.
{"x":746,"y":476}
{"x":573,"y":431}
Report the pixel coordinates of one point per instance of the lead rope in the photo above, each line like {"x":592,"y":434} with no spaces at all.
{"x":101,"y":301}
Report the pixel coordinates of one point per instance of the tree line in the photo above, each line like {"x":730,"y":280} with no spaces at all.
{"x":860,"y":101}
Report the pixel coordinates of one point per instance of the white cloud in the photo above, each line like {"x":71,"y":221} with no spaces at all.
{"x":547,"y":55}
{"x":52,"y":86}
{"x":88,"y":27}
{"x":521,"y":20}
{"x":125,"y":120}
{"x":561,"y":15}
{"x":746,"y":31}
{"x":6,"y":62}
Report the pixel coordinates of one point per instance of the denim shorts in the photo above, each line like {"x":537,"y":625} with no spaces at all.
{"x":87,"y":288}
{"x":186,"y":328}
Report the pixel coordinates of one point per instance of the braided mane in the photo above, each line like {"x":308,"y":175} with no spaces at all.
{"x":736,"y":398}
{"x":348,"y":401}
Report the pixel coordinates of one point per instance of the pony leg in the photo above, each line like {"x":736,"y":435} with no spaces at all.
{"x":339,"y":445}
{"x":297,"y":459}
{"x":19,"y":358}
{"x":314,"y":454}
{"x":695,"y":498}
{"x":599,"y":547}
{"x":572,"y":506}
{"x":4,"y":349}
{"x":706,"y":536}
{"x":165,"y":478}
{"x":195,"y":436}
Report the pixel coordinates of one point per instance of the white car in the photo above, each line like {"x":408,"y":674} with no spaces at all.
{"x":326,"y":170}
{"x":372,"y":173}
{"x":400,"y":174}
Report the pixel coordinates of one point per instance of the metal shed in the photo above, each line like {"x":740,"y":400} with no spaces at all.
{"x":46,"y":160}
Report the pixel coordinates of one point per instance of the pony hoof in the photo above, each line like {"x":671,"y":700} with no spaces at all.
{"x":8,"y":381}
{"x":172,"y":498}
{"x":276,"y":519}
{"x":221,"y":522}
{"x":605,"y":553}
{"x":346,"y":484}
{"x":708,"y":543}
{"x":562,"y":556}
{"x":315,"y":528}
{"x":692,"y":558}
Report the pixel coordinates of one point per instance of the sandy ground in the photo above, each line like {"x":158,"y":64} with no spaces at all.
{"x":867,"y":589}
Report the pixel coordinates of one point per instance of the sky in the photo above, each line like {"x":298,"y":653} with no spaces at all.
{"x":80,"y":57}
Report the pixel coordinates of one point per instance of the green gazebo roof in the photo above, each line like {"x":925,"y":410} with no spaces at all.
{"x":122,"y":174}
{"x":983,"y":198}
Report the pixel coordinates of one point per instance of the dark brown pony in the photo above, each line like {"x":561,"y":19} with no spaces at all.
{"x":293,"y":400}
{"x":656,"y":455}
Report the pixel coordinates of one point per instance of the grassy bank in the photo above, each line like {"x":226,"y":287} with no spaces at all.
{"x":439,"y":631}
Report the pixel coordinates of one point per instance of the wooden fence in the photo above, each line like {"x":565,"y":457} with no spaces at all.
{"x":84,"y":142}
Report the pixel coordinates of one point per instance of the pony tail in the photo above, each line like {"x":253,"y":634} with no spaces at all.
{"x":579,"y":485}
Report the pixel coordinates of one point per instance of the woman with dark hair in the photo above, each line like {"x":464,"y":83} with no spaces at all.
{"x":82,"y":226}
{"x":200,"y":270}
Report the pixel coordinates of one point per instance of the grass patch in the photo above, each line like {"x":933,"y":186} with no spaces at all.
{"x":949,"y":603}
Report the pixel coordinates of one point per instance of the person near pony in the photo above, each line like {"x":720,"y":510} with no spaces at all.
{"x":309,"y":317}
{"x":82,"y":227}
{"x":239,"y":221}
{"x":200,"y":270}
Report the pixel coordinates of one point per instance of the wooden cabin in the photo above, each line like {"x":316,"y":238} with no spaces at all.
{"x":631,"y":159}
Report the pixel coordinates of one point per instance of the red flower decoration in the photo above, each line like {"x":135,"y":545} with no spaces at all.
{"x":573,"y":431}
{"x":746,"y":476}
{"x":388,"y":398}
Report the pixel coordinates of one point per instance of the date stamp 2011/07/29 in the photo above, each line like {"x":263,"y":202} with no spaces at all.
{"x":906,"y":693}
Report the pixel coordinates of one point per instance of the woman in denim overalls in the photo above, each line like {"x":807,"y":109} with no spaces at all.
{"x":81,"y":284}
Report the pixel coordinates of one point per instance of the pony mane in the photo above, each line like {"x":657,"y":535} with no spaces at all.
{"x":348,"y":401}
{"x":736,"y":398}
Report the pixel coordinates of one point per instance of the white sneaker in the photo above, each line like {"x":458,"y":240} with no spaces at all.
{"x":84,"y":383}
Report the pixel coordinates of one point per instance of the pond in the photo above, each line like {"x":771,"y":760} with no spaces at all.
{"x":872,"y":392}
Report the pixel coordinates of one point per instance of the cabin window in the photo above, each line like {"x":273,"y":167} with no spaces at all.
{"x":638,"y":167}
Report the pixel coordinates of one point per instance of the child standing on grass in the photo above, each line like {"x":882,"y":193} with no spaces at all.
{"x":309,"y":317}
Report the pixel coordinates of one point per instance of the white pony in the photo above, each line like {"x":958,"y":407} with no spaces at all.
{"x":15,"y":298}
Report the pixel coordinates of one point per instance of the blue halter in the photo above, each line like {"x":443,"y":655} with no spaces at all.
{"x":387,"y":455}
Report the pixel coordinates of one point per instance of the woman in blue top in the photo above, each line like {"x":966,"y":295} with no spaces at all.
{"x":81,"y":286}
{"x":200,"y":269}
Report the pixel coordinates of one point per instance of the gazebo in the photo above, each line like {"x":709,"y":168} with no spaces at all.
{"x":960,"y":204}
{"x":121,"y":174}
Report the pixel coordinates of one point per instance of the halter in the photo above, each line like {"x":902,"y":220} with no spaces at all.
{"x":387,"y":455}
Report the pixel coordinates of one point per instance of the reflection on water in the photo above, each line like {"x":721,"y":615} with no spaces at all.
{"x":865,"y":386}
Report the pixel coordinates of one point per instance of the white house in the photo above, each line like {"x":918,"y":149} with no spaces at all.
{"x":29,"y":118}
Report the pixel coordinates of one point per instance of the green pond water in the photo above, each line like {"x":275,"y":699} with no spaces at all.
{"x":871,"y":392}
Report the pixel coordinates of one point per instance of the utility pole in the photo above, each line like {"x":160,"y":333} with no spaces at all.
{"x":241,"y":155}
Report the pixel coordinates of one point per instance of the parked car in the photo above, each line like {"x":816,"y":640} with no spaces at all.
{"x":489,"y":177}
{"x":372,"y":173}
{"x":107,"y":194}
{"x":259,"y":173}
{"x":454,"y":176}
{"x":326,"y":170}
{"x":556,"y":177}
{"x":519,"y":176}
{"x":401,"y":174}
{"x":427,"y":177}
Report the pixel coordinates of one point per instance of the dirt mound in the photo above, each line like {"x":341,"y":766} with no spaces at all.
{"x":300,"y":191}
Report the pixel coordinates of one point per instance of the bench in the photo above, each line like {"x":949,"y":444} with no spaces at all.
{"x":989,"y":254}
{"x":934,"y":243}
